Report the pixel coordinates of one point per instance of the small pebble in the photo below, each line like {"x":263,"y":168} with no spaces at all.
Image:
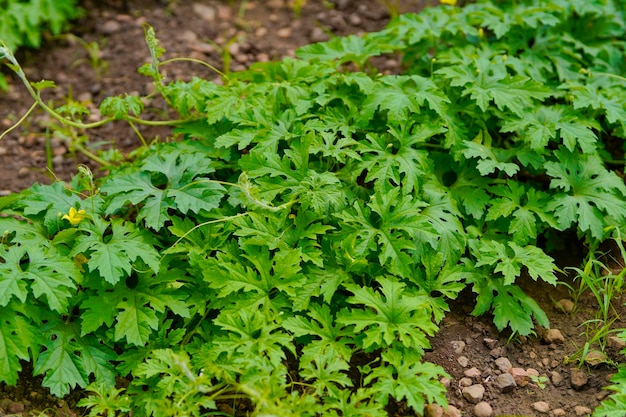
{"x":474,"y":393}
{"x":553,"y":336}
{"x":505,"y":382}
{"x":110,"y":27}
{"x":615,"y":343}
{"x":541,"y":407}
{"x":578,"y":379}
{"x":504,"y":364}
{"x":483,"y":409}
{"x":463,"y":361}
{"x":490,"y":343}
{"x":205,"y":12}
{"x":458,"y":346}
{"x":520,"y":376}
{"x":465,"y":382}
{"x":565,"y":305}
{"x":581,"y":410}
{"x":558,"y":412}
{"x":472,"y":373}
{"x":433,"y":410}
{"x":284,"y":32}
{"x":452,"y":411}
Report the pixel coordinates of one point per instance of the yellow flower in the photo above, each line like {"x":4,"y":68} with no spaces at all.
{"x":450,"y":2}
{"x":75,"y":216}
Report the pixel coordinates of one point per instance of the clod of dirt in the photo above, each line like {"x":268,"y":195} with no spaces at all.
{"x":483,"y":409}
{"x":556,"y":378}
{"x":581,"y":410}
{"x":578,"y":379}
{"x":474,"y":393}
{"x":565,"y":305}
{"x":553,"y":336}
{"x":541,"y":407}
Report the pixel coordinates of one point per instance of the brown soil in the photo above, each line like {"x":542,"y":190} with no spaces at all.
{"x":269,"y":30}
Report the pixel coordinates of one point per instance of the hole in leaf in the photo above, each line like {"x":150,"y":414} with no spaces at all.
{"x":132,"y":281}
{"x":448,"y":178}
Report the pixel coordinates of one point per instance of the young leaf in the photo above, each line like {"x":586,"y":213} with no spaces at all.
{"x":393,"y":315}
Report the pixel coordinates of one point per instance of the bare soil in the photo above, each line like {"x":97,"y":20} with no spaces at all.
{"x":469,"y":348}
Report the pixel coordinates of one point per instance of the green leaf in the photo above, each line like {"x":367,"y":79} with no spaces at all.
{"x":121,"y":107}
{"x":589,"y":193}
{"x":63,"y":368}
{"x":389,"y":316}
{"x":113,"y":255}
{"x":17,"y":336}
{"x":403,"y":376}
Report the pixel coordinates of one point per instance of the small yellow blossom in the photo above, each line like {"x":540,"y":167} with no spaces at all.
{"x":75,"y":216}
{"x":450,"y":2}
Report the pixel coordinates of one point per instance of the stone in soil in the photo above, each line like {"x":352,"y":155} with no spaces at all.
{"x":472,"y":373}
{"x":578,"y":379}
{"x":463,"y":361}
{"x":581,"y":410}
{"x":433,"y":410}
{"x":505,"y":382}
{"x":521,"y":377}
{"x":558,"y":412}
{"x":553,"y":336}
{"x":483,"y":409}
{"x":458,"y":346}
{"x":474,"y":393}
{"x":565,"y":305}
{"x":541,"y":407}
{"x":556,"y":378}
{"x":504,"y":364}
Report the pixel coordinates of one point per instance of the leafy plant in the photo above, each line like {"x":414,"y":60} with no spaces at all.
{"x":295,"y":250}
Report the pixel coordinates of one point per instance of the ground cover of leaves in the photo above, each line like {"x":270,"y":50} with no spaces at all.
{"x":469,"y":349}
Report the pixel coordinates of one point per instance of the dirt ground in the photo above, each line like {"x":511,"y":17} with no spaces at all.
{"x":468,"y":348}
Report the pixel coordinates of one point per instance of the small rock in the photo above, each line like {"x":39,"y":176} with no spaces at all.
{"x":452,"y":411}
{"x":490,"y":343}
{"x":595,"y":358}
{"x":601,"y":396}
{"x":205,"y":12}
{"x":474,"y":393}
{"x":553,"y":336}
{"x":473,"y":373}
{"x":3,"y":150}
{"x":458,"y":346}
{"x":433,"y":410}
{"x":224,"y":12}
{"x":541,"y":407}
{"x":15,"y":408}
{"x":556,"y":378}
{"x":445,"y":382}
{"x":505,"y":382}
{"x":615,"y":343}
{"x":520,"y":376}
{"x":318,"y":35}
{"x":504,"y":364}
{"x":483,"y":409}
{"x":578,"y":379}
{"x":496,"y":352}
{"x":565,"y":305}
{"x":558,"y":412}
{"x":463,"y":361}
{"x":110,"y":27}
{"x":465,"y":382}
{"x":532,"y":371}
{"x":284,"y":32}
{"x":532,"y":355}
{"x":581,"y":410}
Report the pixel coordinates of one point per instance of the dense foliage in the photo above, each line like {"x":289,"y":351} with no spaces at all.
{"x":293,"y":253}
